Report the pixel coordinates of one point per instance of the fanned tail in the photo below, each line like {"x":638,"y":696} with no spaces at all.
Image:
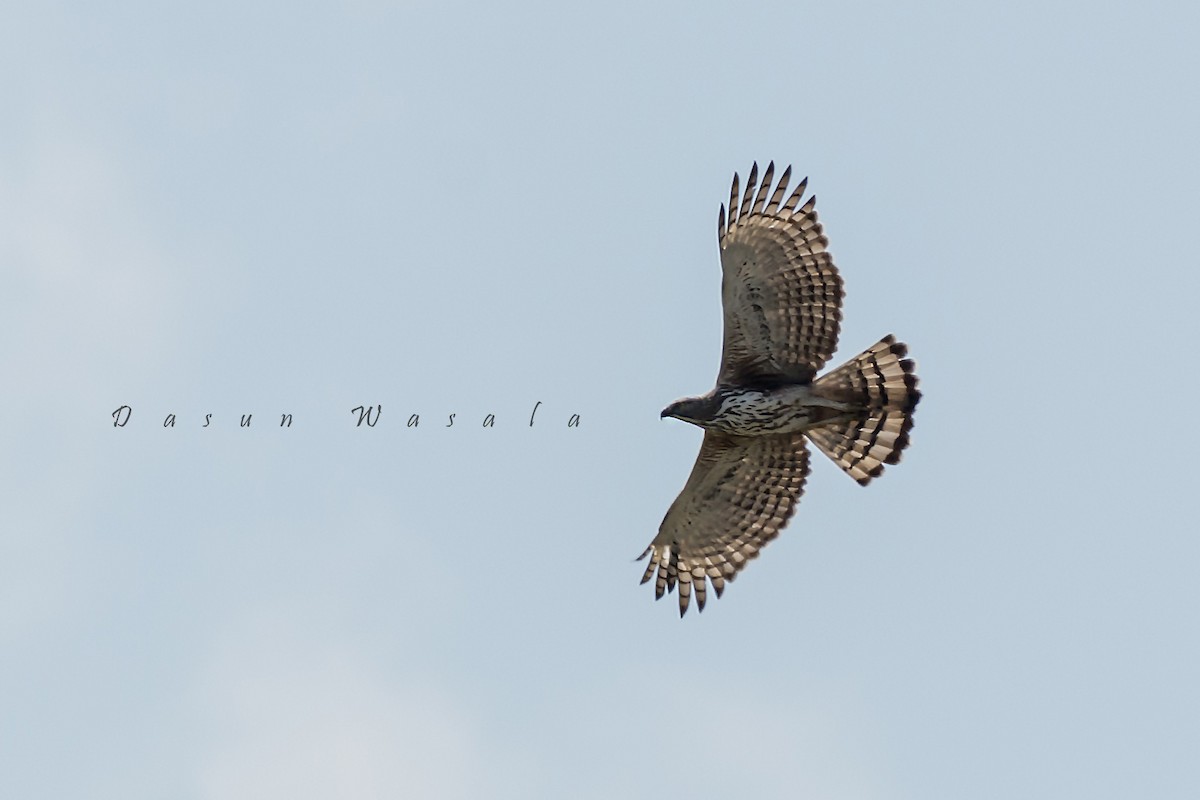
{"x":883,"y":383}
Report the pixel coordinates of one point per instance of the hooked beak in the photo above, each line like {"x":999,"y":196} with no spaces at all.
{"x":666,"y":413}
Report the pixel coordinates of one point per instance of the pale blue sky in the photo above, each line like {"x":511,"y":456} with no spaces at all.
{"x":467,"y":209}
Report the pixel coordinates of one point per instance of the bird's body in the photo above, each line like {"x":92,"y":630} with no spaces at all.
{"x":782,"y":298}
{"x":792,"y":408}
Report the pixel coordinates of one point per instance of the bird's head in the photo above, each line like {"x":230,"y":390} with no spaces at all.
{"x":695,"y":410}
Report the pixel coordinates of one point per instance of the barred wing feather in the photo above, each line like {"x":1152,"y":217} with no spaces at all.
{"x":780,"y":290}
{"x":741,"y":493}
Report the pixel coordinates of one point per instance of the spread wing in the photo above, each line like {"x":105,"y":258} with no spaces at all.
{"x":781,"y":293}
{"x":741,"y":493}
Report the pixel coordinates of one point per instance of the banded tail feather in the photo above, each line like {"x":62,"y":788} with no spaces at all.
{"x":883,"y":383}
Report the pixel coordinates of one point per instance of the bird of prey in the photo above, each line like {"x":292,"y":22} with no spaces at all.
{"x":782,"y":299}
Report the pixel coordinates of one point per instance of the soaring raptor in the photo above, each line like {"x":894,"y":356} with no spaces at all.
{"x":782,"y":298}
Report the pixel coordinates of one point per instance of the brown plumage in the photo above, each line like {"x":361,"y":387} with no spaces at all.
{"x":782,"y":297}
